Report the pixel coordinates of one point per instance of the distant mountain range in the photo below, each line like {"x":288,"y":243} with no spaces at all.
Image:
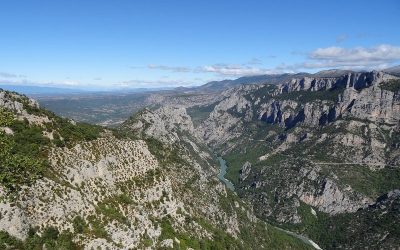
{"x":34,"y":90}
{"x":212,"y":86}
{"x":281,"y":78}
{"x":393,"y":70}
{"x":40,"y":91}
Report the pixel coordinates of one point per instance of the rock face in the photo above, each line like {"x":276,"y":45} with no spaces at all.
{"x":163,"y":123}
{"x":245,"y":171}
{"x":330,"y":199}
{"x":78,"y":189}
{"x":321,"y":141}
{"x":312,"y":103}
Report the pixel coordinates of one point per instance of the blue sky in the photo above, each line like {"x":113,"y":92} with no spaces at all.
{"x":123,"y":43}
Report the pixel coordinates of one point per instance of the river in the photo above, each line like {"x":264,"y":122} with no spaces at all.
{"x":222,"y":173}
{"x":229,"y":184}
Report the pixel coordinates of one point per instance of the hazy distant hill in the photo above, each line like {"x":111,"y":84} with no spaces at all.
{"x":38,"y":90}
{"x":393,"y":70}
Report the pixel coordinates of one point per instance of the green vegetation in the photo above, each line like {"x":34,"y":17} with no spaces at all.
{"x":341,"y":230}
{"x":93,"y":227}
{"x":79,"y":225}
{"x":220,"y":240}
{"x":254,"y":143}
{"x":327,"y":231}
{"x":72,"y":133}
{"x":19,"y":161}
{"x":23,"y":155}
{"x":50,"y":239}
{"x":6,"y":117}
{"x":264,"y":91}
{"x":22,"y":158}
{"x":391,"y":85}
{"x":366,"y":181}
{"x":109,"y":208}
{"x":165,"y":154}
{"x":200,"y":113}
{"x":304,"y":96}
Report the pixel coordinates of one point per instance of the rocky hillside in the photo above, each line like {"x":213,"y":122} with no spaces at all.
{"x":151,"y":184}
{"x":315,"y":154}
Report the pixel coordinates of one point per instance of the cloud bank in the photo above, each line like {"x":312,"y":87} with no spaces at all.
{"x":333,"y":57}
{"x":358,"y":58}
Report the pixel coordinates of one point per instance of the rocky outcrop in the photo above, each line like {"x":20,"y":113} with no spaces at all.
{"x":162,"y":123}
{"x":244,"y":171}
{"x":331,"y":199}
{"x":314,"y":145}
{"x":355,"y":80}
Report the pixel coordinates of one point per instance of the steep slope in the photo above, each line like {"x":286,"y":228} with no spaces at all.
{"x":314,"y":153}
{"x":65,"y":185}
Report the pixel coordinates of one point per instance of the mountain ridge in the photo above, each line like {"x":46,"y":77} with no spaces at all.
{"x":67,"y":185}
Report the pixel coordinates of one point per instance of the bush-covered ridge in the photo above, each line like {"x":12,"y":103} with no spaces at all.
{"x":24,"y":151}
{"x":117,"y":181}
{"x":391,"y":85}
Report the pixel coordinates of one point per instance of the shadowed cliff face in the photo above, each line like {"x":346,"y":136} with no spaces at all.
{"x":326,"y":145}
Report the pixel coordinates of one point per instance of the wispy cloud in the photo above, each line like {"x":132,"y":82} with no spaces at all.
{"x":25,"y":82}
{"x":254,"y":61}
{"x":235,"y":70}
{"x":251,"y":67}
{"x":143,"y":83}
{"x":341,"y":38}
{"x":10,"y":75}
{"x":179,"y":69}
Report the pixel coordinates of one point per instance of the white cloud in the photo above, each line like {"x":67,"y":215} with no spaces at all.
{"x":357,"y":56}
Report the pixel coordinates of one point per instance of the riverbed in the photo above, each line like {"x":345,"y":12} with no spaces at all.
{"x":222,"y":173}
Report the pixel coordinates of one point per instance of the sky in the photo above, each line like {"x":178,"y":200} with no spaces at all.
{"x":99,"y":44}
